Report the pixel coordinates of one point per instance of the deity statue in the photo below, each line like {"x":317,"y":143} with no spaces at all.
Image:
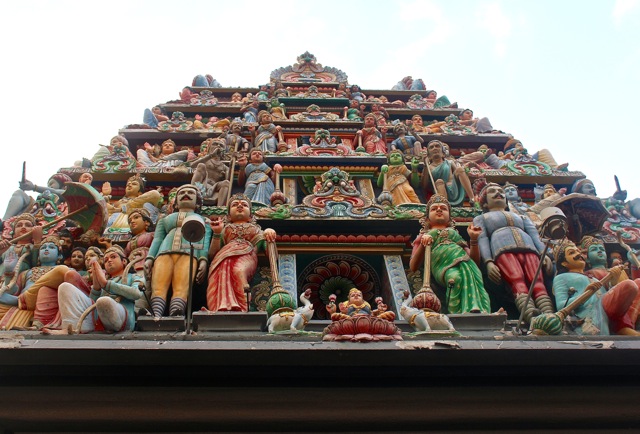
{"x":439,"y":103}
{"x":510,"y":247}
{"x":154,"y":116}
{"x":233,"y":255}
{"x":615,"y":310}
{"x":277,"y":110}
{"x":446,"y":177}
{"x":167,"y":265}
{"x":407,"y":144}
{"x":167,"y":157}
{"x":394,"y":178}
{"x":211,"y":176}
{"x":16,"y":258}
{"x":249,"y":109}
{"x":257,"y":177}
{"x":355,"y":111}
{"x":142,"y":228}
{"x":20,"y":202}
{"x":372,"y":325}
{"x":267,"y":137}
{"x":356,"y":93}
{"x":451,"y":264}
{"x":48,"y":254}
{"x":372,"y":139}
{"x":135,"y":197}
{"x":341,"y":91}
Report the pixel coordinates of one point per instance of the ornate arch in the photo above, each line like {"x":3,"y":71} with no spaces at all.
{"x":337,"y":274}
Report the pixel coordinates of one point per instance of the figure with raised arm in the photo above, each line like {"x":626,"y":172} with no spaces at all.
{"x":398,"y":180}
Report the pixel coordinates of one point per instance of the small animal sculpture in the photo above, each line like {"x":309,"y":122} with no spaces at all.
{"x":424,"y":320}
{"x":292,"y":321}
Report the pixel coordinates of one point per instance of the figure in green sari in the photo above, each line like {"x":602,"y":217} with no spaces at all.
{"x":451,"y":266}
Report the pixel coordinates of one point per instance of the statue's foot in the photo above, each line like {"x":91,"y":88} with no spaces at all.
{"x":628,"y":331}
{"x":47,"y":331}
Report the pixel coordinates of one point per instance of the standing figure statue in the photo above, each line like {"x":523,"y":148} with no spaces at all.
{"x":446,"y":176}
{"x":394,"y":178}
{"x":234,"y":140}
{"x":167,"y":265}
{"x":258,"y":178}
{"x":372,"y":139}
{"x":451,"y":264}
{"x":267,"y":136}
{"x":510,"y":247}
{"x":233,"y":255}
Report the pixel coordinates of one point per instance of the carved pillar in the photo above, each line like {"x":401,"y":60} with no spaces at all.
{"x":287,"y":274}
{"x":397,"y":280}
{"x":366,"y":189}
{"x":290,"y":190}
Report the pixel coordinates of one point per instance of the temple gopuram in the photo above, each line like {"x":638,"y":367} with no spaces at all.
{"x":259,"y":258}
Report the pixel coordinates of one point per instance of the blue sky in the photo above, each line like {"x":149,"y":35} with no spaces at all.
{"x":562,"y":75}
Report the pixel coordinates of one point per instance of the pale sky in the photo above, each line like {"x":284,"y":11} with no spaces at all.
{"x":562,"y":75}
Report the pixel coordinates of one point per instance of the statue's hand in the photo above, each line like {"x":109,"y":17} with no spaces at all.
{"x":277,"y":168}
{"x":202,"y":271}
{"x":217,"y":225}
{"x":494,"y":272}
{"x":547,"y":264}
{"x":148,"y":265}
{"x":270,"y":235}
{"x":426,"y":240}
{"x":474,"y":231}
{"x":384,"y":169}
{"x":415,"y":163}
{"x":27,"y":185}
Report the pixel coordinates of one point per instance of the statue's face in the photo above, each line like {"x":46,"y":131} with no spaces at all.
{"x":77,"y":259}
{"x":466,"y":115}
{"x":588,"y":188}
{"x":355,"y":297}
{"x":496,"y":197}
{"x":48,"y":253}
{"x":113,"y":263}
{"x":137,"y":224}
{"x":86,"y":178}
{"x":439,"y":214}
{"x":168,"y":147}
{"x":511,"y":193}
{"x":22,"y":227}
{"x":434,"y":149}
{"x":115,"y":142}
{"x":417,"y":120}
{"x":91,"y":256}
{"x":132,"y":187}
{"x":369,"y":121}
{"x":597,"y":255}
{"x":396,"y":159}
{"x":573,"y":258}
{"x":256,"y":157}
{"x":187,"y":198}
{"x":239,"y":210}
